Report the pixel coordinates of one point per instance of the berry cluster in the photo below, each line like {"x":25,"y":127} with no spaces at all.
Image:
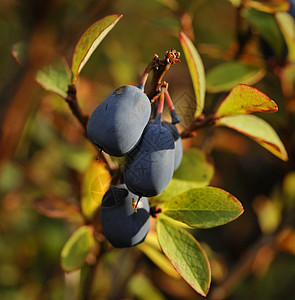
{"x":122,"y":126}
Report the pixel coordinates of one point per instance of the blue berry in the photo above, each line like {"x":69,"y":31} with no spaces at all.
{"x":122,"y":225}
{"x":117,"y":123}
{"x":150,"y":166}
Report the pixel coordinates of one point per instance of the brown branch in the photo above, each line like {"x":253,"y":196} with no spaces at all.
{"x":160,"y":67}
{"x":71,"y":99}
{"x":198,"y":123}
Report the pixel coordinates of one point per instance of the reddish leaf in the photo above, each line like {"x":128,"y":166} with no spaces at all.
{"x":58,"y":208}
{"x":244,"y":99}
{"x":196,"y":69}
{"x":89,"y":40}
{"x":185,"y":254}
{"x":258,"y":130}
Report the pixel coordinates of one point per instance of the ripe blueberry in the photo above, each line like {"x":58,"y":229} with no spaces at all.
{"x":149,"y":167}
{"x":117,"y":123}
{"x":122,"y":226}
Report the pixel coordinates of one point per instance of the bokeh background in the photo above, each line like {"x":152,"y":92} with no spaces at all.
{"x":43,"y":151}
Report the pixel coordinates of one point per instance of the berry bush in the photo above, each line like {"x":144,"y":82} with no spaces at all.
{"x":180,"y":183}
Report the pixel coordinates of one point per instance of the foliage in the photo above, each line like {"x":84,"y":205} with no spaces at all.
{"x":55,"y":171}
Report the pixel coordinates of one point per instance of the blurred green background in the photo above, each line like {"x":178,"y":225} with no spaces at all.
{"x":43,"y":150}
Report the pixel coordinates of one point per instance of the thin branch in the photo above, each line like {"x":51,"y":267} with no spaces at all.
{"x":198,"y":123}
{"x":71,"y":99}
{"x":160,"y":67}
{"x":146,"y":72}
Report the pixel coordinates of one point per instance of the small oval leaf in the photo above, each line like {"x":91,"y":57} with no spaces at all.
{"x":196,"y":69}
{"x":227,"y":75}
{"x":257,"y":129}
{"x":150,"y":247}
{"x":76,"y":249}
{"x":204,"y":207}
{"x":185,"y":254}
{"x":55,"y":77}
{"x":89,"y":41}
{"x":245,"y":99}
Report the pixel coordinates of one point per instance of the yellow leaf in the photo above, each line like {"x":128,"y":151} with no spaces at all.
{"x":96,"y":182}
{"x":269,"y":6}
{"x":287,"y":25}
{"x":244,"y":99}
{"x":257,"y":129}
{"x":196,"y":69}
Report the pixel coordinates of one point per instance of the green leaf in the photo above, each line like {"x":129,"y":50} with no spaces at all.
{"x":95,"y":183}
{"x":175,"y":187}
{"x":76,"y":249}
{"x":196,"y":69}
{"x":55,"y":77}
{"x":257,"y":129}
{"x":269,"y":214}
{"x":288,"y":189}
{"x":194,"y":171}
{"x":287,"y":25}
{"x":150,"y":247}
{"x":185,"y":254}
{"x":89,"y":41}
{"x":77,"y":158}
{"x":245,"y":99}
{"x":204,"y":207}
{"x":267,"y":26}
{"x":227,"y":75}
{"x":195,"y":167}
{"x":268,"y":6}
{"x":143,"y":289}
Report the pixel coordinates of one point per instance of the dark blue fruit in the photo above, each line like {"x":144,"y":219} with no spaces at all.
{"x":178,"y":143}
{"x":291,"y":10}
{"x":149,"y":167}
{"x":122,"y":226}
{"x":116,"y":125}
